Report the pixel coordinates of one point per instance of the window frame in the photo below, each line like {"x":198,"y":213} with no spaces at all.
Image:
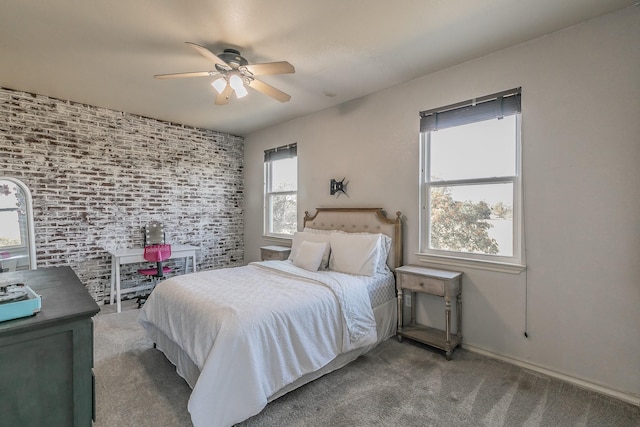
{"x":510,"y":264}
{"x":290,"y":151}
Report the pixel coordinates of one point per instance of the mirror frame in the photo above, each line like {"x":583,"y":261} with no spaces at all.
{"x":154,"y":233}
{"x":31,"y":240}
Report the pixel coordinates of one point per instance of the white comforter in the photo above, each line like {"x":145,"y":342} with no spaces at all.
{"x":252,"y":330}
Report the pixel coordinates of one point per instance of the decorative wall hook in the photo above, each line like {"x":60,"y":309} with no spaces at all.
{"x":338,"y":187}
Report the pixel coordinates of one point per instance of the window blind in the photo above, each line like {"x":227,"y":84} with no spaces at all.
{"x":285,"y":152}
{"x":493,"y":106}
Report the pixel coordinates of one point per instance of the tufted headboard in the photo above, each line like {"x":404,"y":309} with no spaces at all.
{"x":360,"y":220}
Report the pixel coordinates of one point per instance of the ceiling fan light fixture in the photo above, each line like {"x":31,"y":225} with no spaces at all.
{"x":233,"y":73}
{"x":238,"y":85}
{"x":219,"y":84}
{"x":241,"y":92}
{"x":235,"y":81}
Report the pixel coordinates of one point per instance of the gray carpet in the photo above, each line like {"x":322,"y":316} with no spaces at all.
{"x":395,"y":384}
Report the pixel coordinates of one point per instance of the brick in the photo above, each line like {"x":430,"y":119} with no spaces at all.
{"x":98,"y":175}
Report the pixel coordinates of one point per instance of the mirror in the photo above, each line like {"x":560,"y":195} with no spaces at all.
{"x":153,"y":233}
{"x":17,"y":239}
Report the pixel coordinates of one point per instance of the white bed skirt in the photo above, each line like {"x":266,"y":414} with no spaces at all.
{"x":386,"y":322}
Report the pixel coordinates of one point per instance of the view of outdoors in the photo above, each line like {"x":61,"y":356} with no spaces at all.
{"x":471,"y":193}
{"x":283,"y":200}
{"x":9,"y":211}
{"x":462,"y":222}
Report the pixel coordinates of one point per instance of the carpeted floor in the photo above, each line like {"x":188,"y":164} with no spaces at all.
{"x":394,"y":385}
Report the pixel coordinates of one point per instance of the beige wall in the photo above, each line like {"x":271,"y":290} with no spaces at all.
{"x":580,"y":133}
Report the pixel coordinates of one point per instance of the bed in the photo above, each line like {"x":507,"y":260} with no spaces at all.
{"x":244,"y":336}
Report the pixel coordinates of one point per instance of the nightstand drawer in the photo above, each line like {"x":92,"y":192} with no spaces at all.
{"x":422,"y":284}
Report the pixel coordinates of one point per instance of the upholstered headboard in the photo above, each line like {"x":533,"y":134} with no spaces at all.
{"x":360,"y":220}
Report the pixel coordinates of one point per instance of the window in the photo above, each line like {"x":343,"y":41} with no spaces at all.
{"x":471,"y":194}
{"x":281,"y":191}
{"x":17,"y":246}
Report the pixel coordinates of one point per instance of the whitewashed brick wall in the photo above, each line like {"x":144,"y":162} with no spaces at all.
{"x":97,"y":176}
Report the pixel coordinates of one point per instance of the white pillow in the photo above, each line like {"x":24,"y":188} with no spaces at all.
{"x":309,"y":255}
{"x":301,"y":236}
{"x":355,"y":253}
{"x":385,"y":247}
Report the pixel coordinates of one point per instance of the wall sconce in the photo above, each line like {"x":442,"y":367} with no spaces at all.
{"x":338,"y":187}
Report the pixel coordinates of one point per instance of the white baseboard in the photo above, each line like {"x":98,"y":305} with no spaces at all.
{"x":627,"y":397}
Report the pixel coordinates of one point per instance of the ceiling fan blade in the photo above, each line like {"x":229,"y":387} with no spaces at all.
{"x":223,"y":97}
{"x":180,"y":75}
{"x":269,"y":90}
{"x":282,"y":67}
{"x":208,"y":54}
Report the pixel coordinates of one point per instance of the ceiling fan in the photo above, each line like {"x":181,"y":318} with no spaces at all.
{"x":235,"y":73}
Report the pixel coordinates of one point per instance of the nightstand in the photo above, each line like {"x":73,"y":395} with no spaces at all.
{"x":277,"y":253}
{"x":441,"y":283}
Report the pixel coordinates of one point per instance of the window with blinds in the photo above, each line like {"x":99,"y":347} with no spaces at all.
{"x":471,"y":197}
{"x":281,"y":191}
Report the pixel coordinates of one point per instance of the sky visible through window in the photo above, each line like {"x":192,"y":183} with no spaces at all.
{"x":9,"y":226}
{"x":284,"y":175}
{"x":479,"y":150}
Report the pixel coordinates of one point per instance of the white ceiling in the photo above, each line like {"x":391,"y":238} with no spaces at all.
{"x":105,"y":52}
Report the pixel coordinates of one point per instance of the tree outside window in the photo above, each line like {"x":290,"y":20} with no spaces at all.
{"x":471,"y":192}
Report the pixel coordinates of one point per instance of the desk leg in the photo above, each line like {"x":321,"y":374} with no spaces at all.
{"x":112,"y":296}
{"x":187,"y":259}
{"x":118,"y":303}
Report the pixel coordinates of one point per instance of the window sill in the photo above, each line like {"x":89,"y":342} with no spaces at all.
{"x":14,"y":248}
{"x":500,"y":267}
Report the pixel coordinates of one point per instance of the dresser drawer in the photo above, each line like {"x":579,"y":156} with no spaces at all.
{"x":422,"y":284}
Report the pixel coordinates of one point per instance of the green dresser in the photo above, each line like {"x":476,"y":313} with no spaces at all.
{"x":46,"y":360}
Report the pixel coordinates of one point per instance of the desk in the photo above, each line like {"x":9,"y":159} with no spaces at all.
{"x":136,"y":255}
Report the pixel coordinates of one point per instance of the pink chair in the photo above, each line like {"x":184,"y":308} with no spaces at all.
{"x":157,"y":254}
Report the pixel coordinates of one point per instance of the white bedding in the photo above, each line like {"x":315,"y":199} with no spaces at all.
{"x":253,"y":330}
